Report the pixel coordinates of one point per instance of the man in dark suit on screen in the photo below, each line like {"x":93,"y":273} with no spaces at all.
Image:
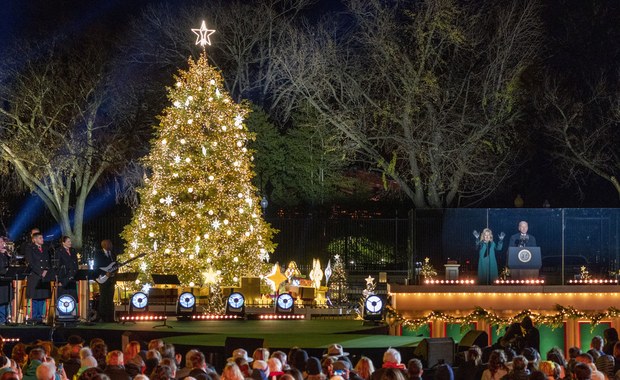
{"x":522,"y":239}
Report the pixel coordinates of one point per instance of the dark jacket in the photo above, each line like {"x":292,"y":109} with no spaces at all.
{"x":6,"y":293}
{"x":116,"y":372}
{"x":38,"y":260}
{"x":517,"y":375}
{"x":68,"y":267}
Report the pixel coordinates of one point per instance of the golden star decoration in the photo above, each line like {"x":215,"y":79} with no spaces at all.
{"x":276,"y":276}
{"x":369,"y":280}
{"x":210,"y":276}
{"x":203,"y":34}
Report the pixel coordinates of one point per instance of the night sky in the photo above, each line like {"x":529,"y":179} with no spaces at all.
{"x":581,"y":37}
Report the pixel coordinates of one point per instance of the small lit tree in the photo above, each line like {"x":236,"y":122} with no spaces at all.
{"x":338,"y":283}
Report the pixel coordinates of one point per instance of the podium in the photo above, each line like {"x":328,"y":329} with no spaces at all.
{"x":524,"y":262}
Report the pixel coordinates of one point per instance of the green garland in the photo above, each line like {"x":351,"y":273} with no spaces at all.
{"x":554,"y":320}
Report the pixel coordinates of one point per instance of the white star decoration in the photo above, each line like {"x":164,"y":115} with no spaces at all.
{"x":216,"y":224}
{"x":203,"y":34}
{"x":168,"y":200}
{"x":369,"y":280}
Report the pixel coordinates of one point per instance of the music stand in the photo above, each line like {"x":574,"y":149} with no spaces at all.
{"x":15,"y":274}
{"x":85,"y":275}
{"x":125,"y":277}
{"x":165,"y":279}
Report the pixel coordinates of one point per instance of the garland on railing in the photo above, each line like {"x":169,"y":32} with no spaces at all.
{"x":479,"y":313}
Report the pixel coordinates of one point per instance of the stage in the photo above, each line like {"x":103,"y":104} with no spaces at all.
{"x":568,"y":315}
{"x":314,"y":335}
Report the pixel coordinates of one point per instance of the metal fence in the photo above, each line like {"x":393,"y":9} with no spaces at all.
{"x":363,"y":244}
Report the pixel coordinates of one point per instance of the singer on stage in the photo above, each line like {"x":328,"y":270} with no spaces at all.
{"x":487,"y":263}
{"x":68,"y":267}
{"x":38,"y":288}
{"x":522,"y":239}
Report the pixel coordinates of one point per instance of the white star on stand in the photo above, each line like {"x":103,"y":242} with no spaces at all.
{"x":203,"y":34}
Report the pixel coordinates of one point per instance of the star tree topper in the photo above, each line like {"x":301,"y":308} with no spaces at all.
{"x":203,"y":34}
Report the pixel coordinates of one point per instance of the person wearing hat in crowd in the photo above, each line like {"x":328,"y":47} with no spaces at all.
{"x":391,"y":359}
{"x":314,"y":371}
{"x":337,"y":352}
{"x":240,"y":353}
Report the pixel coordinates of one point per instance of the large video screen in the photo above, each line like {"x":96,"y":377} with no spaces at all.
{"x":569,"y":239}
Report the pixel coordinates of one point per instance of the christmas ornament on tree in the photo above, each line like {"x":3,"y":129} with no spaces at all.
{"x":198,"y":209}
{"x":338,"y":283}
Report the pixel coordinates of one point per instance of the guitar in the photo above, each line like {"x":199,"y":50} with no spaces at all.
{"x":113,"y":267}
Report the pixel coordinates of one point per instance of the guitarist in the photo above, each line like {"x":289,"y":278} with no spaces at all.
{"x":103,"y":258}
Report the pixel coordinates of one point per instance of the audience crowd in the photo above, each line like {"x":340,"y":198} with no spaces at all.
{"x":512,"y":357}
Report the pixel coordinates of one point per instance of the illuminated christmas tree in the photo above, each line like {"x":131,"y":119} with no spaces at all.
{"x":199,"y":214}
{"x":338,"y":283}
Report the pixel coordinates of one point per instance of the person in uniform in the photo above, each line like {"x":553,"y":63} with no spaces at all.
{"x":38,"y":288}
{"x":67,"y":268}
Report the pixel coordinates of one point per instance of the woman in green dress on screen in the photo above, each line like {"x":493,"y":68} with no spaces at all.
{"x":487,"y":263}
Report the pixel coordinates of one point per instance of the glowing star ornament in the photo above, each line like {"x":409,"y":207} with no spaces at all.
{"x":203,"y":34}
{"x":168,"y":200}
{"x":211,"y":276}
{"x":276,"y":277}
{"x":369,"y":280}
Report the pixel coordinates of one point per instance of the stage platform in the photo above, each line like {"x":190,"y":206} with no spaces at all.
{"x":578,"y":311}
{"x":415,"y":300}
{"x":313,"y":335}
